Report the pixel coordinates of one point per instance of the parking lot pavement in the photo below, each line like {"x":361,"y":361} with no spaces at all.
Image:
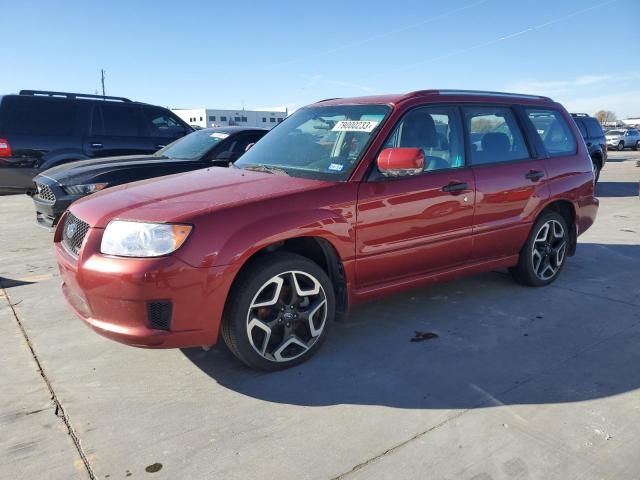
{"x":519,"y":383}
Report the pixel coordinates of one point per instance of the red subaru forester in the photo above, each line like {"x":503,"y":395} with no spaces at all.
{"x":347,"y":200}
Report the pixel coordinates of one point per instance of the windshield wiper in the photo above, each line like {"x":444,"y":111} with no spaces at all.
{"x":265,"y":168}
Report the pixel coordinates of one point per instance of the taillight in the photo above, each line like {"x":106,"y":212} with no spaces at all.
{"x":5,"y":148}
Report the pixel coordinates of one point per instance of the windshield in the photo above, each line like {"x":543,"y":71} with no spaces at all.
{"x":193,"y":146}
{"x":323,"y":143}
{"x":615,"y":132}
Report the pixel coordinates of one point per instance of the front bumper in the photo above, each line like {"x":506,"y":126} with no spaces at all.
{"x":111,"y":295}
{"x":48,"y":212}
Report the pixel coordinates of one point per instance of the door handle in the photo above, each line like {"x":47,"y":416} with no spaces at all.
{"x":455,"y":187}
{"x":96,"y":145}
{"x":534,"y":175}
{"x":160,"y":145}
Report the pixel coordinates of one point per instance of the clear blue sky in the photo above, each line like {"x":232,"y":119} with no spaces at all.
{"x":584,"y":53}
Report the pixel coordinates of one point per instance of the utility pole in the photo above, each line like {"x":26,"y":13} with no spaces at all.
{"x":102,"y":80}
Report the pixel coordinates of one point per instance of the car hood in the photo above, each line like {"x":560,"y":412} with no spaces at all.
{"x":185,"y":196}
{"x":74,"y":173}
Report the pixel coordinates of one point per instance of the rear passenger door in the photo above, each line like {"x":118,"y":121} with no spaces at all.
{"x":162,"y":127}
{"x":510,"y":181}
{"x":117,"y":129}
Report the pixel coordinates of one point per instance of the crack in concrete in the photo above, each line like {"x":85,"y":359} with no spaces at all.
{"x":59,"y":409}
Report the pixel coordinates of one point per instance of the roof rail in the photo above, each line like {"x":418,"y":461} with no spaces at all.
{"x":475,"y":92}
{"x":327,"y":99}
{"x":45,"y":93}
{"x":580,"y":115}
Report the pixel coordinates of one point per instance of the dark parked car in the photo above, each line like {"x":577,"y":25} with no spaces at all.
{"x":594,"y":137}
{"x":347,"y":200}
{"x":59,"y":186}
{"x":39,"y":130}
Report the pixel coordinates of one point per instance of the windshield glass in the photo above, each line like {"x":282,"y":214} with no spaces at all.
{"x":193,"y":146}
{"x":323,"y":143}
{"x":615,"y":132}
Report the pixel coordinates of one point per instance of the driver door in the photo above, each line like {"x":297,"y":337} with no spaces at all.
{"x":410,"y":226}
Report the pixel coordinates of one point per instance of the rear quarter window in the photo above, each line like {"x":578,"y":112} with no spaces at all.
{"x":37,"y":116}
{"x":554,"y":131}
{"x":593,"y":127}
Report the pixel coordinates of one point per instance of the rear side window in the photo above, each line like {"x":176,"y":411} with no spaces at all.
{"x":581,"y":127}
{"x":116,"y":120}
{"x":494,"y":135}
{"x":436,"y":131}
{"x":553,"y":130}
{"x":161,"y":123}
{"x":37,"y":116}
{"x":593,"y":127}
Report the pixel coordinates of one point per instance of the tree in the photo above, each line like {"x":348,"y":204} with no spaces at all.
{"x":605,"y":116}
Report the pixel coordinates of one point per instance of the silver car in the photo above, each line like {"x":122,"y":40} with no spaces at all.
{"x":622,"y":138}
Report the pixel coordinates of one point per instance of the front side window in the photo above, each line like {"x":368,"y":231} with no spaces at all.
{"x":494,"y":135}
{"x":161,"y":124}
{"x":324,"y":143}
{"x":437,"y":131}
{"x":553,"y":130}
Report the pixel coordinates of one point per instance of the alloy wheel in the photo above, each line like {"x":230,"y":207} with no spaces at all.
{"x":287,"y":316}
{"x":549,"y":248}
{"x":620,"y":146}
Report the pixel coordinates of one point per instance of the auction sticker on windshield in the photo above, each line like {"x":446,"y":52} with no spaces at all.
{"x":354,"y":126}
{"x":219,"y":135}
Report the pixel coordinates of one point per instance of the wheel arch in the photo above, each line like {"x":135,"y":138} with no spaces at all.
{"x":567,"y":209}
{"x":317,"y":249}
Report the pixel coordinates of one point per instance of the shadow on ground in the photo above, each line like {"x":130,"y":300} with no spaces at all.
{"x":617,"y":189}
{"x":8,"y":283}
{"x":492,"y":336}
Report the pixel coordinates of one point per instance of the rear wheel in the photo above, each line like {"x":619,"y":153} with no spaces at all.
{"x":544,"y":254}
{"x":279,"y":312}
{"x":596,"y":169}
{"x":620,"y":146}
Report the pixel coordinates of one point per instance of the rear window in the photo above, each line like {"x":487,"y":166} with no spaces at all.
{"x":37,"y":116}
{"x":593,"y":127}
{"x":553,"y":130}
{"x":581,"y":127}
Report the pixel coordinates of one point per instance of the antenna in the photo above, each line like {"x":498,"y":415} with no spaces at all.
{"x":102,"y":72}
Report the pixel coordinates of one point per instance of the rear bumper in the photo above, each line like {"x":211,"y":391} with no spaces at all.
{"x":111,"y":295}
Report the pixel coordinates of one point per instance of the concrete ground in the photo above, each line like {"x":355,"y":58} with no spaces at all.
{"x":521,"y":383}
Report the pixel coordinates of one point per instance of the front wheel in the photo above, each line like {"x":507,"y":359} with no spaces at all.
{"x":620,"y":146}
{"x":596,"y":170}
{"x":636,"y":146}
{"x":279,"y":311}
{"x":544,"y":254}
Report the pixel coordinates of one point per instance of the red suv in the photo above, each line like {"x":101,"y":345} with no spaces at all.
{"x":346,"y":200}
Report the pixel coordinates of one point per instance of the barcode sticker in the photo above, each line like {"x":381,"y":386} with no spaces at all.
{"x":354,"y":126}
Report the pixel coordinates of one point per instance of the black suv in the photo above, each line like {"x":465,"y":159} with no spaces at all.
{"x":40,"y":129}
{"x":593,"y":135}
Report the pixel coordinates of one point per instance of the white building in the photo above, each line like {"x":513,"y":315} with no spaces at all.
{"x":215,"y":117}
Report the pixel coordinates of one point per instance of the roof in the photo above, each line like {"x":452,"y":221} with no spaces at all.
{"x":458,"y":94}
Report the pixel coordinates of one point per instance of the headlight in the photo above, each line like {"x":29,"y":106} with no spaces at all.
{"x":136,"y":239}
{"x":84,"y":189}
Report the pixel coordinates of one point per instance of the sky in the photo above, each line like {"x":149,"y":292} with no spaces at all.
{"x":286,"y":54}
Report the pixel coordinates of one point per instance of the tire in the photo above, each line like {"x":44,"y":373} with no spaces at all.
{"x":636,"y":146}
{"x":620,"y":146}
{"x":596,"y":170}
{"x":543,"y":267}
{"x":269,"y":323}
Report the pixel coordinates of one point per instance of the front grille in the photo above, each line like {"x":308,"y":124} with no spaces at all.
{"x":159,"y":315}
{"x":73,"y":232}
{"x":45,"y":193}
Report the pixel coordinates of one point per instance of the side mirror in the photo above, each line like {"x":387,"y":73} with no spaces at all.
{"x":227,"y":156}
{"x":248,"y":147}
{"x":400,"y":162}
